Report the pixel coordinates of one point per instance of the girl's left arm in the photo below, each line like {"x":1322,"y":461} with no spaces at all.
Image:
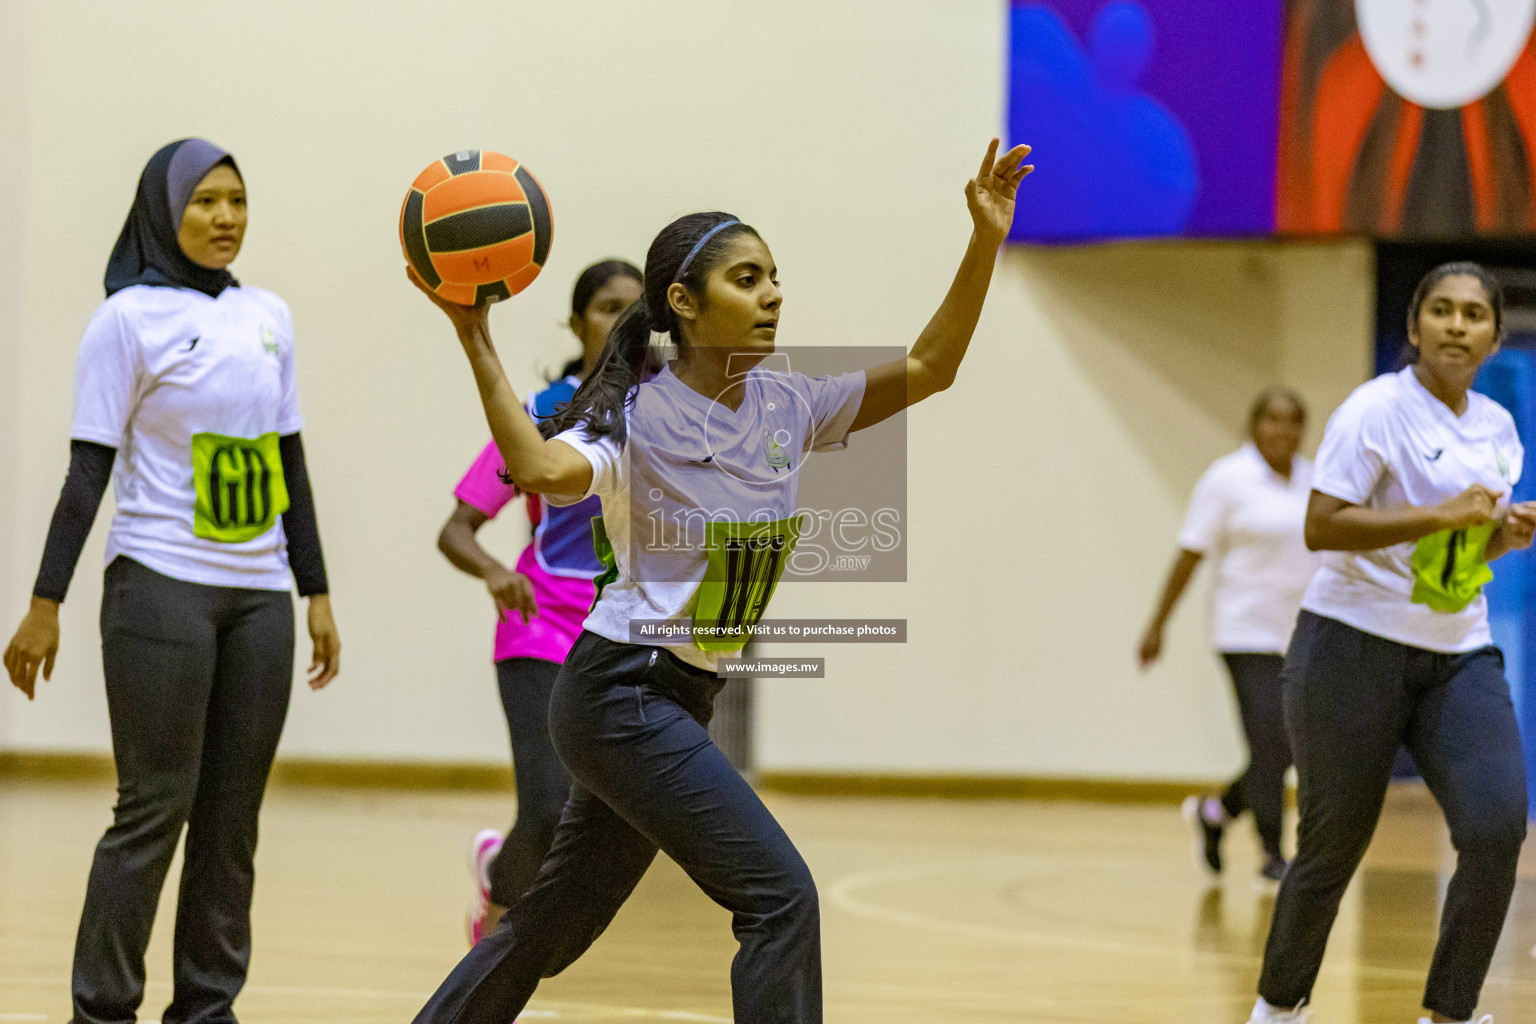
{"x":931,"y":365}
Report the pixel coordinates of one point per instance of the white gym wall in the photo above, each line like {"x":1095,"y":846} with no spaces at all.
{"x":1045,"y":488}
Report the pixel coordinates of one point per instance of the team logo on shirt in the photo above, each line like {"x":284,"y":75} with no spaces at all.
{"x":268,"y":340}
{"x":774,"y":452}
{"x":1503,"y":463}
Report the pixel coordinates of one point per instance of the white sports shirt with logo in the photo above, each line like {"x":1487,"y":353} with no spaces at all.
{"x":1248,"y":519}
{"x":699,"y":507}
{"x":193,"y":392}
{"x":1393,"y":444}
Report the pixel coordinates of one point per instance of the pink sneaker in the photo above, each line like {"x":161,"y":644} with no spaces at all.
{"x":482,"y":851}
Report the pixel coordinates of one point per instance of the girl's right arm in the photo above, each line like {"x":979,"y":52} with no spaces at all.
{"x":457,"y":541}
{"x":539,"y":466}
{"x":36,"y":642}
{"x":1151,"y":646}
{"x":1334,"y":524}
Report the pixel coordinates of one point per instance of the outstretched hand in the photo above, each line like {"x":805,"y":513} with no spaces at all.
{"x":991,"y":193}
{"x":465,"y":318}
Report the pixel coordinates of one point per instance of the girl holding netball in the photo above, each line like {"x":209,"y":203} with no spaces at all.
{"x":628,"y":718}
{"x":185,"y":393}
{"x":1247,"y":513}
{"x":1410,"y":502}
{"x":540,"y":606}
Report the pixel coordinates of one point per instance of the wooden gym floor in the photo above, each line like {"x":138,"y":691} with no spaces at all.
{"x":934,"y":911}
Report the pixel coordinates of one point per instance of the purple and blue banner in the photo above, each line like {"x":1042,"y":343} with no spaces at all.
{"x":1215,"y":118}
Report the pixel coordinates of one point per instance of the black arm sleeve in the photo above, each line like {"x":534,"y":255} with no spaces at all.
{"x":90,"y":468}
{"x":305,"y":558}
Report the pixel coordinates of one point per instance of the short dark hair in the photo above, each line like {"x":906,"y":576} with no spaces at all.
{"x":588,"y":284}
{"x":1268,"y":395}
{"x":594,"y":277}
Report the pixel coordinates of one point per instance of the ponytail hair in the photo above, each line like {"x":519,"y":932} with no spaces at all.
{"x":683,"y":253}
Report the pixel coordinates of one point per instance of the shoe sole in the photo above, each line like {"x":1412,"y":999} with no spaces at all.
{"x":1190,"y":809}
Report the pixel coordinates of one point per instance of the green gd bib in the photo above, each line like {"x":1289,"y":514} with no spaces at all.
{"x":745,"y":563}
{"x":1450,"y":567}
{"x":240,"y":486}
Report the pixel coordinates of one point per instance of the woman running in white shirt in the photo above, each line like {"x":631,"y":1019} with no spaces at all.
{"x":1410,"y":502}
{"x":627,"y":716}
{"x":1246,"y":514}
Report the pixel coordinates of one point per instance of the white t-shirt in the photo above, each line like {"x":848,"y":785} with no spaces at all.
{"x":700,"y":506}
{"x":1393,"y":444}
{"x":193,"y":392}
{"x":1248,"y":519}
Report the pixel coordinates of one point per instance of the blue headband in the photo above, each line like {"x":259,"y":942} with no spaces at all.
{"x":711,"y":233}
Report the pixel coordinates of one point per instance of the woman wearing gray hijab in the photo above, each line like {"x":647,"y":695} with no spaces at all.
{"x":185,"y":398}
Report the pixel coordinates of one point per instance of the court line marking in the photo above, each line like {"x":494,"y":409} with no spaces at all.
{"x":841,"y":894}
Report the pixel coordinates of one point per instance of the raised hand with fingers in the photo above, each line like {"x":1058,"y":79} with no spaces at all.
{"x":465,"y":318}
{"x":990,"y":195}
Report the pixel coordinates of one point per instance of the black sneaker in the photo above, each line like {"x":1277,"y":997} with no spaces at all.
{"x":1272,"y":871}
{"x":1207,"y":836}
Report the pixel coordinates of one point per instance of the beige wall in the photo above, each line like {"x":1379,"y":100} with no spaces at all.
{"x":13,"y":76}
{"x":1102,"y":384}
{"x":1045,"y":488}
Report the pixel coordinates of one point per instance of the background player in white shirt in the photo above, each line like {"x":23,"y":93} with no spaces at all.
{"x":1246,"y":514}
{"x":628,"y":718}
{"x":185,"y":393}
{"x":1410,"y":502}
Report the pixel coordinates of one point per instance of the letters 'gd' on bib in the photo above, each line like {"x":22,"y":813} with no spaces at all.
{"x":240,"y":486}
{"x":1450,"y":567}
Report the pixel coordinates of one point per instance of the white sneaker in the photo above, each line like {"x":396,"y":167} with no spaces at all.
{"x":1263,"y":1013}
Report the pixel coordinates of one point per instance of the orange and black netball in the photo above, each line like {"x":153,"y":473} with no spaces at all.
{"x":476,"y":226}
